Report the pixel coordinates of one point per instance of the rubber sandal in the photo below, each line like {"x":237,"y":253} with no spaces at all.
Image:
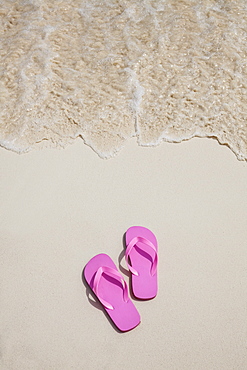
{"x":111,"y":290}
{"x":141,"y":252}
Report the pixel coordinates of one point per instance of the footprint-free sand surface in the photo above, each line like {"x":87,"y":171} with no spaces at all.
{"x":61,"y":207}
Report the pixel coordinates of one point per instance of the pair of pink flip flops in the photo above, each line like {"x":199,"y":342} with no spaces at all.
{"x":109,"y":285}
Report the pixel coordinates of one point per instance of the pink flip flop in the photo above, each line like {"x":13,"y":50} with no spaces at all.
{"x":141,"y":252}
{"x":111,"y":290}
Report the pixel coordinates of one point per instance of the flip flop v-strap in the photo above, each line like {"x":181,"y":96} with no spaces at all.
{"x":114,"y":274}
{"x":146,"y":242}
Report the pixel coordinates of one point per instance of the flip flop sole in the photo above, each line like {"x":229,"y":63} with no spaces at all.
{"x":124,"y":314}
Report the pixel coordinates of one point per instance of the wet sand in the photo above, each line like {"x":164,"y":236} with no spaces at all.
{"x":108,"y":71}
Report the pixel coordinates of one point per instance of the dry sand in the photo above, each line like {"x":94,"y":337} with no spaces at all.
{"x":61,"y":207}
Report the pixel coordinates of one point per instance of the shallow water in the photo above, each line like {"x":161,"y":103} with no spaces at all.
{"x":110,"y":70}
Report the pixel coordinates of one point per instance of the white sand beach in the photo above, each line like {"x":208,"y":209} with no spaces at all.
{"x":61,"y":207}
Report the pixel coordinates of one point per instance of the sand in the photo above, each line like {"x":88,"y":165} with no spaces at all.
{"x":61,"y":207}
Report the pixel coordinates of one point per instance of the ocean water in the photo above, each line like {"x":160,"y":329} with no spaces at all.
{"x":106,"y":71}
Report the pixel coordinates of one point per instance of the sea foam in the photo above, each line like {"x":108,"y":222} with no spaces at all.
{"x":106,"y":71}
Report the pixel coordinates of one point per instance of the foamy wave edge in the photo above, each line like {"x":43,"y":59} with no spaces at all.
{"x":44,"y":143}
{"x":154,"y":70}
